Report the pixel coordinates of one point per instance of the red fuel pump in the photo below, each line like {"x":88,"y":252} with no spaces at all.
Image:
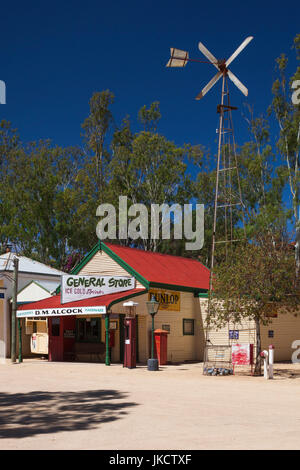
{"x":111,"y":338}
{"x":130,"y":343}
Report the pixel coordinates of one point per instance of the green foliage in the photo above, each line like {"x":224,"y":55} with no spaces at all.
{"x":287,"y":115}
{"x":39,"y":201}
{"x":255,"y":275}
{"x":257,"y":278}
{"x":49,"y":195}
{"x":150,"y":117}
{"x":148,"y":169}
{"x":96,"y":128}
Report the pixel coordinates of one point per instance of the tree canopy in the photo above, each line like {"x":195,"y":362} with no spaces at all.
{"x":49,"y":194}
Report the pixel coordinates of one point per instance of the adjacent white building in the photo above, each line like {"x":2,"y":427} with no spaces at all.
{"x":40,"y":281}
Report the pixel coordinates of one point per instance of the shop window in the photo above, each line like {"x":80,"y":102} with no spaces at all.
{"x":88,"y":330}
{"x":188,"y":326}
{"x":55,"y":326}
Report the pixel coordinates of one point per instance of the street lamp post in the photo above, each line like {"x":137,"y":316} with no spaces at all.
{"x":152,"y":307}
{"x":14,"y":310}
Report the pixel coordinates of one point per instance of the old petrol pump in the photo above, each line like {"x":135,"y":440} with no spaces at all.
{"x":111,"y":341}
{"x":130,"y":334}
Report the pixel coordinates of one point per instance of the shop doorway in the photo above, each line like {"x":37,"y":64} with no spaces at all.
{"x":56,"y":346}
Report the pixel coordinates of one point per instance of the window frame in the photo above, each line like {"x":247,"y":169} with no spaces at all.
{"x":189,"y":320}
{"x":85,"y":339}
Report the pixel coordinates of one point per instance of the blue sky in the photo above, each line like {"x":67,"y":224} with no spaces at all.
{"x":54,"y":55}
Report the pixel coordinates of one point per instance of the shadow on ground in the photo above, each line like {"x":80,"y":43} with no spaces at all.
{"x":29,"y":414}
{"x":287,"y":373}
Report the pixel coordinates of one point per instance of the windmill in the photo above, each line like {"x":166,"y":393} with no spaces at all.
{"x":226,"y":159}
{"x":226,"y":198}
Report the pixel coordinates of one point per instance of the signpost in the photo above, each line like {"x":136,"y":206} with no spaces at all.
{"x":14,"y":310}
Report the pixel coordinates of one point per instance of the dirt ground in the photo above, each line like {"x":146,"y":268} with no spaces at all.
{"x":47,"y":405}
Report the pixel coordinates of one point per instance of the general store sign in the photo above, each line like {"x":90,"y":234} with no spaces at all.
{"x":57,"y":312}
{"x":85,"y":287}
{"x":168,"y":300}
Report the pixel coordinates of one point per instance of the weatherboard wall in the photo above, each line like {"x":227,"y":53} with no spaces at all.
{"x":285,"y":330}
{"x":180,"y":347}
{"x":102,"y":264}
{"x":220,"y":336}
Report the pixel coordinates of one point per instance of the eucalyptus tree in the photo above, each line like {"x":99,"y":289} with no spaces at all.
{"x":148,"y":168}
{"x":259,"y":276}
{"x":261,"y":180}
{"x":38,"y":187}
{"x":9,"y":143}
{"x":97,"y":127}
{"x":287,"y":115}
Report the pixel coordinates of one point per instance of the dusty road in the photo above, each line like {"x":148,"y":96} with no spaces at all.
{"x":90,"y":406}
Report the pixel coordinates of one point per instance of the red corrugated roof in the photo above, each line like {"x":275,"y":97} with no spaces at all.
{"x":164,"y":269}
{"x":102,"y":300}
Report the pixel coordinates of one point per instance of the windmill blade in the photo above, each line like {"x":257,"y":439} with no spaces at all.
{"x":208,"y":54}
{"x":239,"y":49}
{"x":236,"y":81}
{"x":209,"y":85}
{"x":178,"y":58}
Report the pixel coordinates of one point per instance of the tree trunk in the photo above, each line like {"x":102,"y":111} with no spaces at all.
{"x":297,"y":249}
{"x":257,"y":367}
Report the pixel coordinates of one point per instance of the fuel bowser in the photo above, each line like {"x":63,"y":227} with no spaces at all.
{"x":130,"y":335}
{"x":111,"y":339}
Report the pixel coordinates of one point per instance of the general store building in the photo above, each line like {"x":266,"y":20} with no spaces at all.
{"x":177,"y":283}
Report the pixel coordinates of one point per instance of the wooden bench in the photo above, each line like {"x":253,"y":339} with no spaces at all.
{"x":91,"y":352}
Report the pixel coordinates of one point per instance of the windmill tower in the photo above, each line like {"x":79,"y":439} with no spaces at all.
{"x":227,"y":197}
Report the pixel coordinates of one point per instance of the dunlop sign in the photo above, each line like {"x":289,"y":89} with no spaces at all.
{"x":85,"y":287}
{"x":167,"y":300}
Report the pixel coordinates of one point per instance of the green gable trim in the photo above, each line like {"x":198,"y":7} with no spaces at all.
{"x":144,"y":281}
{"x":203,"y":295}
{"x":126,"y":297}
{"x":37,"y":284}
{"x":147,"y":284}
{"x":86,"y":259}
{"x":124,"y":265}
{"x":160,"y":285}
{"x":83,"y":262}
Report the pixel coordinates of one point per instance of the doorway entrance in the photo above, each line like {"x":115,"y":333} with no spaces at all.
{"x":56,"y":345}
